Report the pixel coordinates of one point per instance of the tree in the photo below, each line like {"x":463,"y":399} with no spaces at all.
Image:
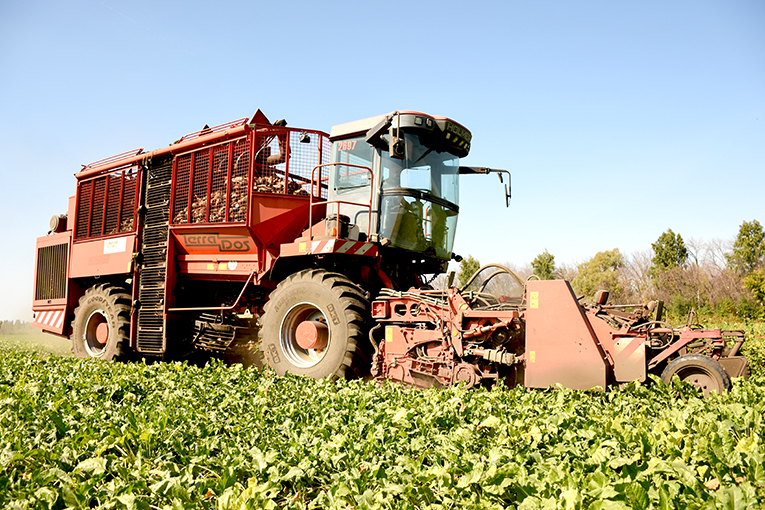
{"x":668,"y":251}
{"x":468,"y":267}
{"x":544,"y":266}
{"x":748,"y":249}
{"x":755,"y":282}
{"x":599,"y":273}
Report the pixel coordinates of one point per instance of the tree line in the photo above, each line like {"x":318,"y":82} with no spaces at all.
{"x":713,"y":277}
{"x":14,"y":327}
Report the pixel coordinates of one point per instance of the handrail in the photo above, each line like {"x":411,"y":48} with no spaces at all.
{"x":114,"y":159}
{"x":210,"y":130}
{"x":338,"y":202}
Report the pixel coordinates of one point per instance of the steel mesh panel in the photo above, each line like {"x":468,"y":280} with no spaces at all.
{"x":292,"y":176}
{"x":325,"y":156}
{"x":83,"y":209}
{"x":220,"y":168}
{"x":199,"y":187}
{"x":127,"y":209}
{"x":304,"y":156}
{"x":51,"y":272}
{"x":181,"y":192}
{"x":114,"y":182}
{"x":97,"y":208}
{"x":268,"y":177}
{"x":237,"y":206}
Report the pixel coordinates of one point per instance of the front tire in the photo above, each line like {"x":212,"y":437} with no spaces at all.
{"x":328,"y":305}
{"x":706,"y":373}
{"x":101,"y":324}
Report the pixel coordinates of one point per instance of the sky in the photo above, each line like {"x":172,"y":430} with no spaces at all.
{"x":617,"y":120}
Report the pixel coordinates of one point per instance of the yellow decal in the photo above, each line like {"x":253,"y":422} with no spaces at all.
{"x":302,"y":248}
{"x":534,"y":300}
{"x":388,"y":334}
{"x":532,"y":356}
{"x":463,"y":306}
{"x":211,"y":266}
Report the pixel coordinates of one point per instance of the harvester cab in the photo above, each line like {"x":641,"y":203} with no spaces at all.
{"x":394,"y":180}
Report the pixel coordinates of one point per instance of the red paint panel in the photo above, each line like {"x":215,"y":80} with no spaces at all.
{"x":112,"y":255}
{"x":629,"y":359}
{"x":560,"y":345}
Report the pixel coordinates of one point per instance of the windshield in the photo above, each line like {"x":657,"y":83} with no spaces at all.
{"x":420,"y":196}
{"x":423,"y":169}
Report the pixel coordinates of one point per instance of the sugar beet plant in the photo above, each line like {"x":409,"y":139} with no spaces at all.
{"x":83,"y":434}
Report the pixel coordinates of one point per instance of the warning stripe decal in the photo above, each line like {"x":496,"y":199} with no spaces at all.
{"x":50,"y":318}
{"x":330,"y":246}
{"x":340,"y":246}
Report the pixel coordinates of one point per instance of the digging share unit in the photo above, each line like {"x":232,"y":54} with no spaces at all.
{"x":312,"y":252}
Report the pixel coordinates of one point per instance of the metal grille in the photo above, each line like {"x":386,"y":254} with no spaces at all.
{"x":97,"y":208}
{"x":106,"y":204}
{"x":181,"y":182}
{"x":113,"y":213}
{"x":200,"y":189}
{"x":216,"y":190}
{"x":204,"y":195}
{"x":83,"y":209}
{"x":51,"y":272}
{"x":129,"y":197}
{"x":237,"y":207}
{"x":304,"y":156}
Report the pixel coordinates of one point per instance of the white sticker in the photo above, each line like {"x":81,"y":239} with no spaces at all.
{"x":115,"y":245}
{"x":232,"y":265}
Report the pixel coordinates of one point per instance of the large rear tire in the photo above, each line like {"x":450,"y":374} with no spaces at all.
{"x":101,"y":324}
{"x":706,"y":373}
{"x":331,"y":309}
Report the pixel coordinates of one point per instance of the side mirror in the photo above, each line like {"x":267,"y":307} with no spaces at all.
{"x":465,"y":170}
{"x":507,"y":187}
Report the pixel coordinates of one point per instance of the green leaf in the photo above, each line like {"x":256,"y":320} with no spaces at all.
{"x":490,"y":422}
{"x":93,"y":466}
{"x":637,"y":496}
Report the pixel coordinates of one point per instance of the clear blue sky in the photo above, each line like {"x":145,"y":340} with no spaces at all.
{"x":618,"y":120}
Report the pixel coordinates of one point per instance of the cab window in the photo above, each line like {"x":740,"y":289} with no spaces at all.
{"x":351,"y":151}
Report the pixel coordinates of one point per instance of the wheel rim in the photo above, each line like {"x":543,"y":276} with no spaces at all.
{"x":702,"y":379}
{"x":302,"y":358}
{"x":96,"y":333}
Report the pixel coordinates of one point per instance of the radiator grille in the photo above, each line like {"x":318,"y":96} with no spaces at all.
{"x":51,"y":272}
{"x":106,"y":204}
